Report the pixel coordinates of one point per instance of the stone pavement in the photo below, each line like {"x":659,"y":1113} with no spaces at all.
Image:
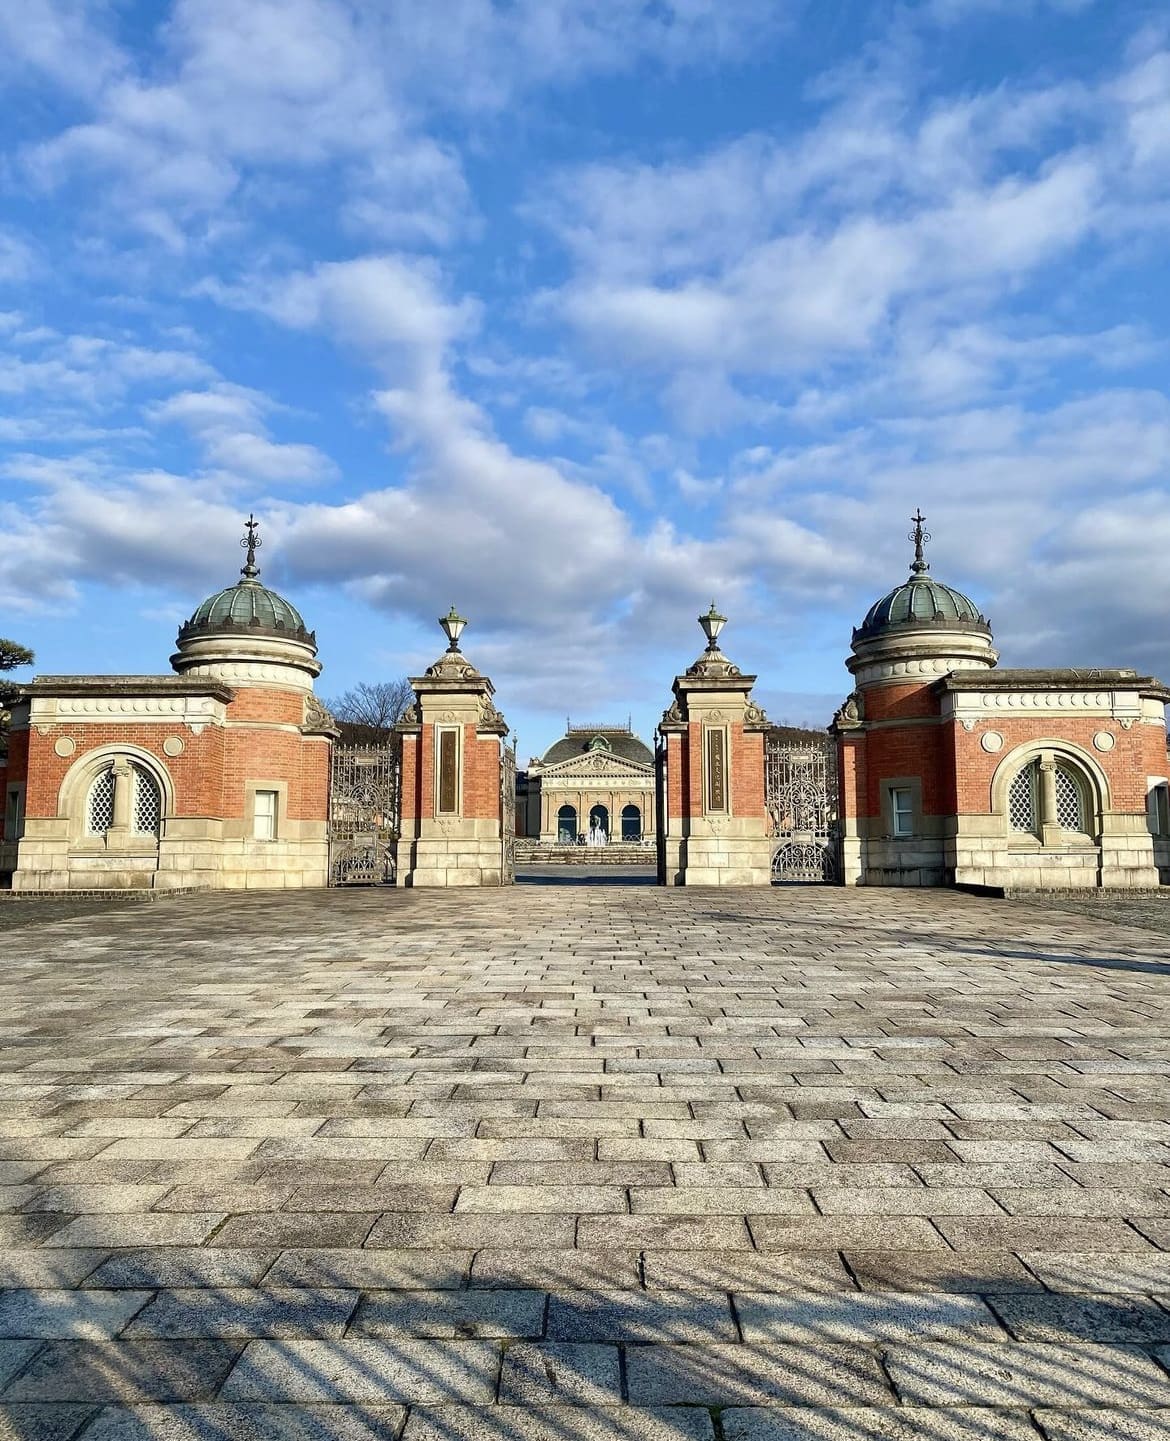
{"x":585,"y":1164}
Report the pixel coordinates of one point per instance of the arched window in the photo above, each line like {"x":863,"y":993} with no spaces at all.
{"x":631,"y":823}
{"x":99,"y":810}
{"x":1030,"y":807}
{"x":143,"y":811}
{"x":146,"y":811}
{"x":567,"y":826}
{"x":1070,"y":800}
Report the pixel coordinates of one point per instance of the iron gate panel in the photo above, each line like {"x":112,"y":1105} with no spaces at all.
{"x":800,"y":784}
{"x":507,"y":814}
{"x":364,"y":809}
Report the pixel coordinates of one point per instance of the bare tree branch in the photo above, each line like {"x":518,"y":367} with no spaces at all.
{"x":368,"y":712}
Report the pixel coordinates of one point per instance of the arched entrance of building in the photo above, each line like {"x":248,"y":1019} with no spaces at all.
{"x":567,"y":826}
{"x":599,"y":820}
{"x":631,"y":823}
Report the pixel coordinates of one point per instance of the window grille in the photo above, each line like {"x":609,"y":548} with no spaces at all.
{"x":1070,"y":808}
{"x":1022,"y":799}
{"x":99,"y":814}
{"x":147,"y":804}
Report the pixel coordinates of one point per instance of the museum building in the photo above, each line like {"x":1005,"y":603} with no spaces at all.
{"x":595,"y":785}
{"x":214,"y":776}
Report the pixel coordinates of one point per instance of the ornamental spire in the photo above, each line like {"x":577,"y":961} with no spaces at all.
{"x":251,"y":543}
{"x":919,"y":536}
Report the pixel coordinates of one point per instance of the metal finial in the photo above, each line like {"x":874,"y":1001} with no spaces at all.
{"x":919,"y":536}
{"x":251,"y":543}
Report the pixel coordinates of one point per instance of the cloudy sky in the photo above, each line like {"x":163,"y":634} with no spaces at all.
{"x":577,"y":314}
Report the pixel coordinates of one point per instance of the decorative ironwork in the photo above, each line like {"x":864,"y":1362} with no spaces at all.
{"x":1070,"y":806}
{"x":147,"y":804}
{"x":800,"y":785}
{"x":100,"y":810}
{"x":1022,"y":799}
{"x":251,"y":543}
{"x":919,"y":536}
{"x":507,"y":813}
{"x":364,"y":812}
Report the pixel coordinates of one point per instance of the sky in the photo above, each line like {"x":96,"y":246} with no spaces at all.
{"x":579,"y":314}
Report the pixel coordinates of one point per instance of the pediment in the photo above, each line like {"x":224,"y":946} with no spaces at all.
{"x":596,"y":763}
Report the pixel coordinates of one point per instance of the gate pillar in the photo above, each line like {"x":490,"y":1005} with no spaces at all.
{"x":713,"y":828}
{"x":453,"y":740}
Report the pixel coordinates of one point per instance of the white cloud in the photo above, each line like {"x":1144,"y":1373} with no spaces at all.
{"x":228,"y":421}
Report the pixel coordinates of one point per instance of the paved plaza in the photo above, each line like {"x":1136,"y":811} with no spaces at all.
{"x":585,"y":1163}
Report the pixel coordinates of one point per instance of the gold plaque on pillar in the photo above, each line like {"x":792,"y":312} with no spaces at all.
{"x":716,"y":769}
{"x":448,"y":772}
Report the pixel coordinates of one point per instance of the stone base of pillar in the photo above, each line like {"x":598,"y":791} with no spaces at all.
{"x":719,"y":860}
{"x":462,"y":857}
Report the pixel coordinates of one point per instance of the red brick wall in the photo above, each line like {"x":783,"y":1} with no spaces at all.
{"x":851,"y":775}
{"x":911,"y":750}
{"x":747,"y":772}
{"x":1126,"y":765}
{"x":210,"y":777}
{"x":481,"y":776}
{"x":18,"y":756}
{"x":411,"y":778}
{"x":900,"y":702}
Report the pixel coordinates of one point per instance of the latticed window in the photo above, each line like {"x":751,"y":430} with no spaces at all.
{"x":1070,"y":806}
{"x":145,"y":802}
{"x":1022,"y":797}
{"x":146,"y":812}
{"x":99,"y":812}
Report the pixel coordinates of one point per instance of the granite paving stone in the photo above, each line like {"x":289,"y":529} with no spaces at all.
{"x":217,"y":1421}
{"x":559,"y":1423}
{"x":857,"y":1423}
{"x":450,"y":1313}
{"x":244,"y":1311}
{"x":80,"y":1314}
{"x":586,"y":1163}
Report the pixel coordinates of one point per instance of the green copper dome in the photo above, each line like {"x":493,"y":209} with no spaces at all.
{"x":247,"y":606}
{"x":247,"y":603}
{"x":921,"y":600}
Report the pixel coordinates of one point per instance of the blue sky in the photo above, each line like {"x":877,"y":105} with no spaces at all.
{"x":577,"y":313}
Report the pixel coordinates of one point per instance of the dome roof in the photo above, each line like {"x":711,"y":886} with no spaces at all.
{"x":247,"y":603}
{"x":616,"y":740}
{"x":921,"y":601}
{"x":247,"y":607}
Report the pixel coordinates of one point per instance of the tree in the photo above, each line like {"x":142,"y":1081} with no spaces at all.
{"x":12,"y":656}
{"x":368,"y":713}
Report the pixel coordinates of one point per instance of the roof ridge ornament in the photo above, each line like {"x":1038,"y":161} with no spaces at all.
{"x":251,"y":543}
{"x":919,"y":536}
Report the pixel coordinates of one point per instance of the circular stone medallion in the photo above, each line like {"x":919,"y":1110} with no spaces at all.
{"x":1104,"y":740}
{"x":173,"y":746}
{"x":991,"y":741}
{"x":64,"y":746}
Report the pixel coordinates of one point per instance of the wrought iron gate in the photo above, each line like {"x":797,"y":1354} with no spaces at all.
{"x":800,"y":784}
{"x":507,"y":813}
{"x":364,"y":800}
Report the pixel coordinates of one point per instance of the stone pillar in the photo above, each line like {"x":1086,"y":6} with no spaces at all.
{"x":451,"y":822}
{"x":716,"y":824}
